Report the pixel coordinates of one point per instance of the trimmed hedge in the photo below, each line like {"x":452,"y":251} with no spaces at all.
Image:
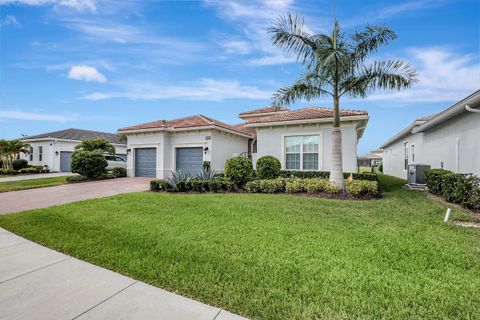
{"x":19,"y":164}
{"x":266,"y":186}
{"x":239,"y":170}
{"x":268,"y":167}
{"x":91,"y":164}
{"x":463,"y":189}
{"x":217,"y":184}
{"x":76,"y":179}
{"x":119,"y":172}
{"x":326,"y":175}
{"x":361,"y":187}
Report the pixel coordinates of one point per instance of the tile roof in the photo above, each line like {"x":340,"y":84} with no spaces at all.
{"x":77,"y":134}
{"x":305,"y":114}
{"x":262,"y":110}
{"x":186,"y":122}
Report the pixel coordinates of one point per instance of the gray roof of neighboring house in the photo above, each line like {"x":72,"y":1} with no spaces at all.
{"x":77,"y":134}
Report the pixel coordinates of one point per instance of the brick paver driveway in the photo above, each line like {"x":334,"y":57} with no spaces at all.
{"x":45,"y":197}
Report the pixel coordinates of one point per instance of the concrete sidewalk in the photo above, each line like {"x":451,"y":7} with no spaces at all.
{"x":36,"y":176}
{"x":39,"y":283}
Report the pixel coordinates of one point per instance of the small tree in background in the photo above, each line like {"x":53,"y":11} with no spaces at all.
{"x":11,"y":150}
{"x":96,"y":144}
{"x":90,"y":164}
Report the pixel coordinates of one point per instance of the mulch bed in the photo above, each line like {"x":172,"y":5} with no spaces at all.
{"x":467,"y":224}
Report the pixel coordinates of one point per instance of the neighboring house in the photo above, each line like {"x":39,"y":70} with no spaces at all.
{"x":372,"y":159}
{"x":449,"y":140}
{"x":300,"y":139}
{"x":54,"y":149}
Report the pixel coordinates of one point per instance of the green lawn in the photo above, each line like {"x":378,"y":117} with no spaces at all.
{"x":278,"y":256}
{"x":31,"y":183}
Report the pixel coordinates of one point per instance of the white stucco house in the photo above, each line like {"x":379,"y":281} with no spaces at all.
{"x":300,"y":139}
{"x":449,"y":140}
{"x":54,"y":149}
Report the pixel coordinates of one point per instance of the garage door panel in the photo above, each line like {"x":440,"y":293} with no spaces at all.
{"x":65,"y":161}
{"x":145,"y":162}
{"x":189,"y":159}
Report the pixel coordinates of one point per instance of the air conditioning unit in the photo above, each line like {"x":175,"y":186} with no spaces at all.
{"x":416,"y":173}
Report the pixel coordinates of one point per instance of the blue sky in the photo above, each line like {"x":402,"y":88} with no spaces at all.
{"x":106,"y":64}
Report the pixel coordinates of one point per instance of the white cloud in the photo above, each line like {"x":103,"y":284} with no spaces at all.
{"x":254,"y":18}
{"x":79,"y":5}
{"x":19,"y":115}
{"x":236,"y":47}
{"x":203,"y":90}
{"x":443,"y":76}
{"x":86,"y":73}
{"x":272,"y":60}
{"x":10,"y":21}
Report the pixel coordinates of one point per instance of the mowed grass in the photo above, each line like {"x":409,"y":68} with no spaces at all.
{"x":278,"y":256}
{"x":31,"y":183}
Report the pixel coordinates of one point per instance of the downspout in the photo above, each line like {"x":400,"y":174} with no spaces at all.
{"x":468,"y":108}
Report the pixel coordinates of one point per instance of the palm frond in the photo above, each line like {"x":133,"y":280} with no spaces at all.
{"x":369,"y":40}
{"x":291,"y":34}
{"x":389,"y":75}
{"x":309,"y":86}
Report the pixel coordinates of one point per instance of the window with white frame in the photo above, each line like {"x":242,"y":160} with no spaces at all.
{"x":413,"y":153}
{"x":40,"y":153}
{"x":301,"y":152}
{"x":405,"y":157}
{"x":30,"y":155}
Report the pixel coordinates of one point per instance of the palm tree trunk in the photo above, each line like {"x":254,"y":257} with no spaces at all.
{"x":336,"y":171}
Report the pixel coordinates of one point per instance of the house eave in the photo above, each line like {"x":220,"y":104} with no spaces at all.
{"x":473,"y":100}
{"x":306,"y":121}
{"x":63,"y":140}
{"x":197,"y":128}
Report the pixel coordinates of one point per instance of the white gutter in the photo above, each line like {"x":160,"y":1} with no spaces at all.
{"x":449,"y":113}
{"x":470,"y":109}
{"x":63,"y":140}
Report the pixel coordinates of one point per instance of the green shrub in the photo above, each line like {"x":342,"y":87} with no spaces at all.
{"x":326,"y":175}
{"x":239,"y":170}
{"x":434,"y":180}
{"x":199,"y":185}
{"x":160,"y":185}
{"x":8,"y":172}
{"x":319,"y":185}
{"x":463,"y":189}
{"x":295,"y":185}
{"x":90,"y":164}
{"x":76,"y":179}
{"x":30,"y":170}
{"x":268,"y":167}
{"x":18,"y":164}
{"x":266,"y":185}
{"x":380,"y":167}
{"x":304,"y":174}
{"x":361,"y":187}
{"x":219,"y":184}
{"x":107,"y":176}
{"x":119,"y":172}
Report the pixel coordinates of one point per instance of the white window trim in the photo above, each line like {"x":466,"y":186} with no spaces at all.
{"x":405,"y":156}
{"x":40,"y":153}
{"x":284,"y":153}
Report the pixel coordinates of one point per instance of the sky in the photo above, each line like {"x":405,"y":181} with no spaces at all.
{"x":106,"y":64}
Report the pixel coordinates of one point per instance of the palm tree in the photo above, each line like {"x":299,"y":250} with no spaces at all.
{"x":337,"y":66}
{"x":96,"y":144}
{"x":11,"y":150}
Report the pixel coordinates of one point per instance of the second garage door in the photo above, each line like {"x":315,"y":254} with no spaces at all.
{"x":189,"y":159}
{"x":145,"y":162}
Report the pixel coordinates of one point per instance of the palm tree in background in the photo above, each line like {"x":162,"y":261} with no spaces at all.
{"x":336,"y":67}
{"x":11,"y":150}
